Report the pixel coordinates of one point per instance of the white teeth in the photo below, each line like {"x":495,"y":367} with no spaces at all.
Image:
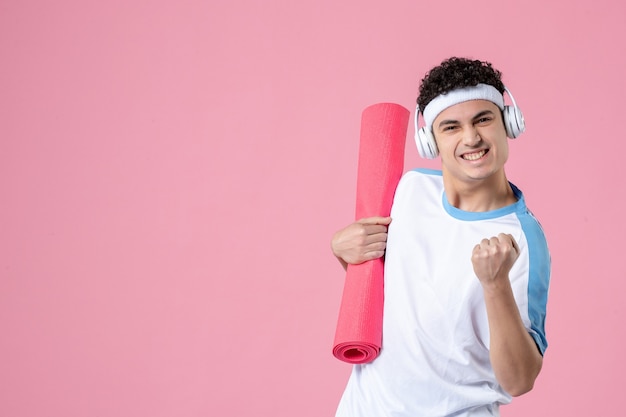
{"x":474,"y":156}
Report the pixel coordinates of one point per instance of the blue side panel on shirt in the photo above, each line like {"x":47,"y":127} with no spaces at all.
{"x":539,"y":276}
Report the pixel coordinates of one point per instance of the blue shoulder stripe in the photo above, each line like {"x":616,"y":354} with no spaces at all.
{"x":428,"y":171}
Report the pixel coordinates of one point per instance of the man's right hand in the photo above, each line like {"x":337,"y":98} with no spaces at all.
{"x":361,"y":241}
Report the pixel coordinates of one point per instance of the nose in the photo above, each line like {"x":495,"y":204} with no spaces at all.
{"x":471,"y":137}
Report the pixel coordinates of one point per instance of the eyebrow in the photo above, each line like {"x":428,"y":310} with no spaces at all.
{"x":453,"y":122}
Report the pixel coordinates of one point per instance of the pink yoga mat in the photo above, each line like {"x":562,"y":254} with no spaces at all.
{"x":358,"y":337}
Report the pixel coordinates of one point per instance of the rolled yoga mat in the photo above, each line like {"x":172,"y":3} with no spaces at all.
{"x":358,"y":337}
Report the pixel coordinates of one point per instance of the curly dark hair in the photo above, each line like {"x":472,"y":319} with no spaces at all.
{"x":456,"y":73}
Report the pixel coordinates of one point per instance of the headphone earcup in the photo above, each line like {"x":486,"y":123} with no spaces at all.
{"x":513,"y":121}
{"x":426,"y":145}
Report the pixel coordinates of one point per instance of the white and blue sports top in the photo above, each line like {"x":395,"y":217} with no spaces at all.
{"x":434,"y":359}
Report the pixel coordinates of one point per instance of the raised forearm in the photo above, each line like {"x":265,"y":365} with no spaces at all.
{"x":515,"y":358}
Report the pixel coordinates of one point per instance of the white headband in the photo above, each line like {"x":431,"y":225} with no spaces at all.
{"x":443,"y":101}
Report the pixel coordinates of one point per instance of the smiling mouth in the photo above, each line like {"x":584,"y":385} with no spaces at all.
{"x":474,"y":155}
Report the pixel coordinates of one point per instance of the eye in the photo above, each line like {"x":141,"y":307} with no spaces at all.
{"x":484,"y":120}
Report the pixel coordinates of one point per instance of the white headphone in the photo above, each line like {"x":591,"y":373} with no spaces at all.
{"x":511,"y":115}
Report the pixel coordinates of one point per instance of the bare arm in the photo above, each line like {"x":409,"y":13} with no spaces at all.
{"x":361,"y":241}
{"x":515,"y":358}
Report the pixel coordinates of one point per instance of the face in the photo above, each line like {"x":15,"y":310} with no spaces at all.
{"x":472,"y":141}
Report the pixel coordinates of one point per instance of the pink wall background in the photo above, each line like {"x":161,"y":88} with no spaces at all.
{"x":171,"y":174}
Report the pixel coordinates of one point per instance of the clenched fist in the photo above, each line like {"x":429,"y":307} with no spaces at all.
{"x":493,"y":258}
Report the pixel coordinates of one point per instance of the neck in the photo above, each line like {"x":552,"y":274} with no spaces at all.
{"x":479,"y":195}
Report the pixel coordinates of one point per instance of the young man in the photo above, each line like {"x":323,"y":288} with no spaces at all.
{"x":467,"y":266}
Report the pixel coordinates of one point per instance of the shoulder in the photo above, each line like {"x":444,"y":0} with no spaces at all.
{"x":422,"y":175}
{"x":415,"y":185}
